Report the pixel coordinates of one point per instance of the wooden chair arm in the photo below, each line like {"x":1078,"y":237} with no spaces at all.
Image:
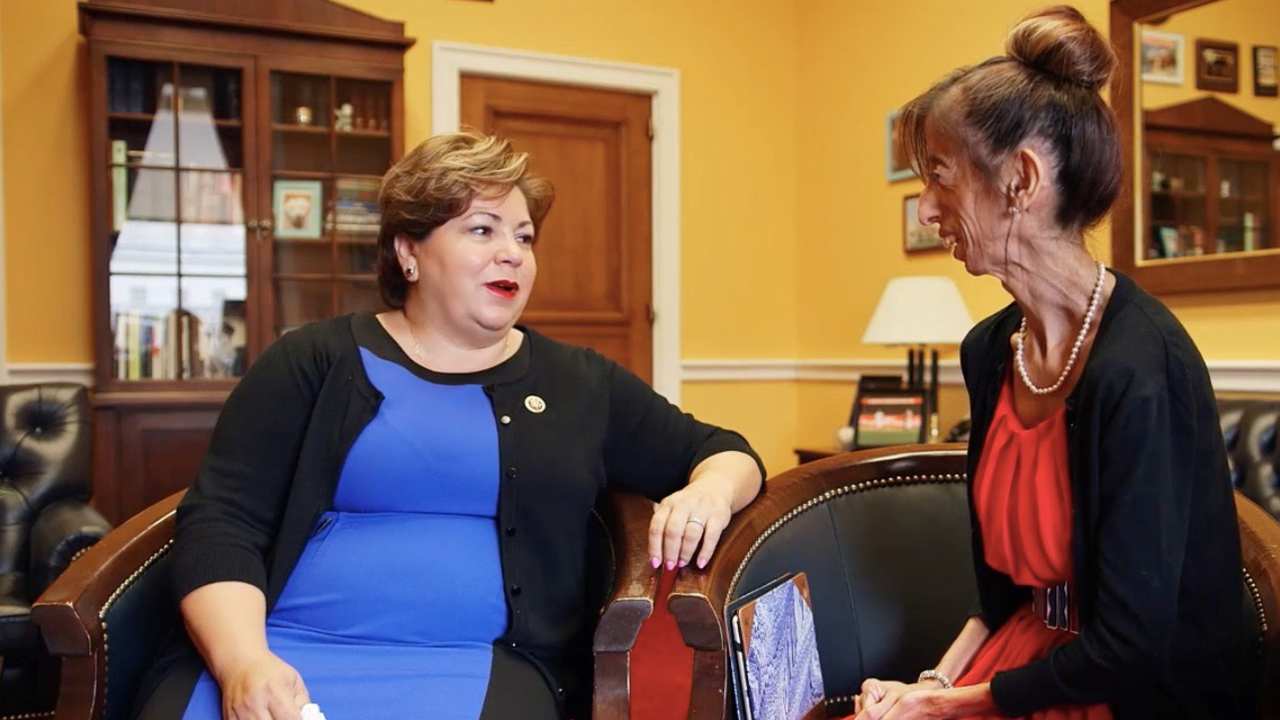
{"x":630,"y":603}
{"x":68,"y":611}
{"x":635,"y":584}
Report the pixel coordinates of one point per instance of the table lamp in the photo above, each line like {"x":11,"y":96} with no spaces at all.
{"x":919,"y":311}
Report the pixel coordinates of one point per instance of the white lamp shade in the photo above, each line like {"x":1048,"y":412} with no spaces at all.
{"x":919,"y":310}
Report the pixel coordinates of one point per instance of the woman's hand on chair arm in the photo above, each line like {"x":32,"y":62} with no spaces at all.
{"x":699,"y":512}
{"x":227,"y":622}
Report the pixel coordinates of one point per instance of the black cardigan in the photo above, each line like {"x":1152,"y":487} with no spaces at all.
{"x":1155,"y":544}
{"x":282,"y":438}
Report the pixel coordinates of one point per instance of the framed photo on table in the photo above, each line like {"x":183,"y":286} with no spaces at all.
{"x":297,"y":205}
{"x":889,"y":417}
{"x":916,"y":237}
{"x":1217,"y":66}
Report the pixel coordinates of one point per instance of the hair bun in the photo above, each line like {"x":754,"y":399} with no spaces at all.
{"x":1059,"y":41}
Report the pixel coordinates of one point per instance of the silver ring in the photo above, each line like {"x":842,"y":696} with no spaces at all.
{"x":696,"y":520}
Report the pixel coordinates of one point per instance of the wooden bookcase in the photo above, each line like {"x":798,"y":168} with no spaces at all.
{"x":236,"y":150}
{"x":1211,"y":182}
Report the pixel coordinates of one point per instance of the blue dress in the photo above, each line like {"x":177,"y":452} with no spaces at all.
{"x":394,"y":605}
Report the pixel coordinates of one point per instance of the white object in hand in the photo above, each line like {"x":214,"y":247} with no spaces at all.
{"x":311,"y":711}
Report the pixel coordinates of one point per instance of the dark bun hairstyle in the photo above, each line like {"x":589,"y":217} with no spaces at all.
{"x":1045,"y":88}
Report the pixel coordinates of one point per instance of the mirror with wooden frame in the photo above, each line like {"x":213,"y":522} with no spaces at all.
{"x":1198,"y":119}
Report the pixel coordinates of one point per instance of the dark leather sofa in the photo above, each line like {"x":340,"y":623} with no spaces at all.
{"x":45,"y":447}
{"x":1250,"y":427}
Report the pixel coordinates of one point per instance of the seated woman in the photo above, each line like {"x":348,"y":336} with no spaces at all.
{"x":392,"y":518}
{"x":1105,"y":538}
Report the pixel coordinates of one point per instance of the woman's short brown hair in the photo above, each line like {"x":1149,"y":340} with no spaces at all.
{"x":436,"y":182}
{"x":1045,"y":87}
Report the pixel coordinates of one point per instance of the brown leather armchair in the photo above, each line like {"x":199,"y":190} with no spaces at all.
{"x":884,"y":538}
{"x":106,"y":616}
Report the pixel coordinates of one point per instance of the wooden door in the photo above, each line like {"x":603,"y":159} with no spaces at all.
{"x":595,"y":258}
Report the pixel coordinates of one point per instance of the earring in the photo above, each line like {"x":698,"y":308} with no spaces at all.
{"x":410,"y":271}
{"x":1014,"y":210}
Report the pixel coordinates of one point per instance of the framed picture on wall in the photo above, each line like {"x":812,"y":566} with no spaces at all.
{"x":1217,"y":66}
{"x":1162,"y":57}
{"x":889,"y":417}
{"x":897,"y":162}
{"x":297,"y":205}
{"x":1266,"y":71}
{"x":917,"y":237}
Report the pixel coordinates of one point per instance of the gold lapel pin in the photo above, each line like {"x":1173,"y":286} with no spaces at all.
{"x":535,"y":404}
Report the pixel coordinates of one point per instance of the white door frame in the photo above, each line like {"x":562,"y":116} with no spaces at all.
{"x":450,"y":60}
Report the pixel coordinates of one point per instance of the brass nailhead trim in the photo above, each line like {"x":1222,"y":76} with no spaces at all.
{"x":1257,"y":600}
{"x":28,"y":716}
{"x":876,"y":484}
{"x":106,"y":606}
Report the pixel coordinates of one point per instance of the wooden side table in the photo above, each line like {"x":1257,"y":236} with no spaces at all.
{"x":807,"y":455}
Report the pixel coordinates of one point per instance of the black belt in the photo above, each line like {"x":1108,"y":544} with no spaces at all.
{"x":1056,"y":606}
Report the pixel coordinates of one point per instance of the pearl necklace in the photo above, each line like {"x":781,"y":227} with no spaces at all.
{"x":1075,"y":349}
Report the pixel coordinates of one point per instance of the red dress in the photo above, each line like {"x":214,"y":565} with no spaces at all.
{"x":1022,"y":498}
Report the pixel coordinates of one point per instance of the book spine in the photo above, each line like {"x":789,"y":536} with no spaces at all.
{"x":119,"y":184}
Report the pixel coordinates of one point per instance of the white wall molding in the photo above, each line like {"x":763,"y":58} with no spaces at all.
{"x":1255,"y":376}
{"x":82,"y":373}
{"x":1245,"y":375}
{"x":821,"y":370}
{"x":449,"y":61}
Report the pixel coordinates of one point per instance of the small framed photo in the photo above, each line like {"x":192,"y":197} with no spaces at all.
{"x":917,"y":237}
{"x":896,"y":161}
{"x":297,"y":205}
{"x":889,"y":417}
{"x":1266,"y":70}
{"x":1217,"y":66}
{"x":1162,"y":57}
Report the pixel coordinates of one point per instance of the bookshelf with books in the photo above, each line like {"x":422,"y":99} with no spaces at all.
{"x":236,"y":151}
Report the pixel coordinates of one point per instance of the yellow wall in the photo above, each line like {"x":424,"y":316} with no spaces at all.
{"x":790,"y":229}
{"x":46,"y":182}
{"x":737,"y":69}
{"x":859,"y":61}
{"x":737,"y":64}
{"x":1243,"y":22}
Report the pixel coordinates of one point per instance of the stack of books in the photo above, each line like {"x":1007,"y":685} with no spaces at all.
{"x":356,"y":206}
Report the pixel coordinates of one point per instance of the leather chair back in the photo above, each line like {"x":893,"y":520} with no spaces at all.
{"x":890,"y":574}
{"x":45,"y":447}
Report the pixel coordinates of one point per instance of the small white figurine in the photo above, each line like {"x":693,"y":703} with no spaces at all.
{"x":344,"y":114}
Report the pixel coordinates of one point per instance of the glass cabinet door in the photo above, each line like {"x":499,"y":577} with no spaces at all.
{"x":178,"y":270}
{"x":1178,"y":206}
{"x":331,"y":142}
{"x":1244,"y":218}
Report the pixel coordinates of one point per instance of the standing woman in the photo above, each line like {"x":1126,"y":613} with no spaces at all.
{"x":392,"y":518}
{"x":1105,"y":538}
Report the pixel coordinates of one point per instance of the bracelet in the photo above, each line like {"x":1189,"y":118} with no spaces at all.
{"x":935,"y":675}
